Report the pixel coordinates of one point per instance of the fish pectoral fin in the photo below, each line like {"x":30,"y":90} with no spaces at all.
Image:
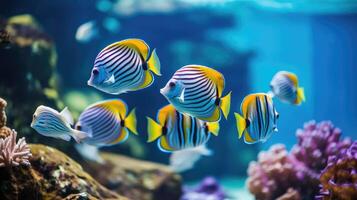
{"x":154,"y":130}
{"x":148,"y":80}
{"x":225,"y":104}
{"x":78,"y":136}
{"x":182,"y":96}
{"x":241,"y":124}
{"x":154,"y":63}
{"x":67,"y":115}
{"x":110,"y":80}
{"x":130,"y":122}
{"x":213,"y":127}
{"x":122,"y":136}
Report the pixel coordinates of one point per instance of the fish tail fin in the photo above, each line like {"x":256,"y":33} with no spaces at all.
{"x":130,"y":122}
{"x":154,"y":130}
{"x":241,"y":124}
{"x":225,"y":105}
{"x":213,"y":127}
{"x":300,"y":96}
{"x":185,"y":159}
{"x":78,"y":136}
{"x":89,"y":152}
{"x":154,"y":63}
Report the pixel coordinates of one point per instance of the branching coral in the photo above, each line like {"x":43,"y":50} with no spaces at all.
{"x":4,"y":131}
{"x":339,"y":178}
{"x":12,"y":153}
{"x":278,"y":172}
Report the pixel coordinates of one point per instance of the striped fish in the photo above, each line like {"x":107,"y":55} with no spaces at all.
{"x":197,"y":91}
{"x":49,"y":122}
{"x":176,"y":131}
{"x":259,"y":118}
{"x":284,"y":85}
{"x":124,"y":66}
{"x":107,"y":123}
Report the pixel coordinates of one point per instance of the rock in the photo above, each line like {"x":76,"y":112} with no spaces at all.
{"x":136,"y":179}
{"x":52,"y":175}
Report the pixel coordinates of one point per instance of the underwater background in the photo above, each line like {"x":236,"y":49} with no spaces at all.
{"x":247,"y":41}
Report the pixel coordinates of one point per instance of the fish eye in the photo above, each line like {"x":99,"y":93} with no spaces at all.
{"x":172,"y":84}
{"x":79,"y":127}
{"x":95,"y":71}
{"x":34,"y":116}
{"x":277,"y":115}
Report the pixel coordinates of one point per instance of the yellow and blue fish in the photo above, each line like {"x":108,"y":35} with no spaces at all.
{"x":197,"y":90}
{"x":285,"y":86}
{"x":176,"y":131}
{"x":107,"y":123}
{"x":259,"y":118}
{"x":124,"y":66}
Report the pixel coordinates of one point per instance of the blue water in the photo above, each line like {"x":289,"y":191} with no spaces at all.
{"x":246,"y":43}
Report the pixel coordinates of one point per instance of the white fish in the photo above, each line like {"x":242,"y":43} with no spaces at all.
{"x":185,"y":159}
{"x":87,"y":32}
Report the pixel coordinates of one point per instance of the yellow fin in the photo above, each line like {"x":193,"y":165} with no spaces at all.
{"x":215,"y":76}
{"x":213,"y":127}
{"x":225,"y":105}
{"x":293,"y":78}
{"x":165,"y":112}
{"x":248,"y":139}
{"x":148,"y":80}
{"x":154,"y":63}
{"x":123,"y":135}
{"x":138,"y":45}
{"x":114,"y":106}
{"x":154,"y":130}
{"x":164,"y":145}
{"x":300,"y":96}
{"x":130,"y":122}
{"x":241,"y":124}
{"x":216,"y":116}
{"x":249,"y":100}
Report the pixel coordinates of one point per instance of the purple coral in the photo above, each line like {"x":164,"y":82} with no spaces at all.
{"x":339,"y":178}
{"x":209,"y":188}
{"x":277,"y":171}
{"x":12,"y":153}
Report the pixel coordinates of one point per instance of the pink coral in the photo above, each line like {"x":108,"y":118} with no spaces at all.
{"x":12,"y":153}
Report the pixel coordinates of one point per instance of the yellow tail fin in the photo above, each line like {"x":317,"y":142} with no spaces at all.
{"x":130,"y":122}
{"x":213,"y":127}
{"x":154,"y":130}
{"x":241,"y":124}
{"x":226,"y":104}
{"x":300,"y":95}
{"x":154,"y":63}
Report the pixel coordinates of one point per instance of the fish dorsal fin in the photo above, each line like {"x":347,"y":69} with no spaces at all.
{"x":293,"y":78}
{"x":116,"y":106}
{"x":248,"y":100}
{"x":67,"y":115}
{"x":215,"y":76}
{"x":138,"y":45}
{"x":164,"y":113}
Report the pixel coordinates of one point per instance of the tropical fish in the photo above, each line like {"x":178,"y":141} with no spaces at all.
{"x":177,"y":131}
{"x":197,"y":90}
{"x":51,"y":123}
{"x":124,"y":66}
{"x":285,"y":86}
{"x":259,"y":118}
{"x":87,"y":32}
{"x":107,"y":123}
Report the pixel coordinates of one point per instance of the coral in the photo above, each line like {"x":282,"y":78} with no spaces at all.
{"x":339,"y":178}
{"x":135,"y":179}
{"x":4,"y":131}
{"x":12,"y":153}
{"x":209,"y":188}
{"x":316,"y":142}
{"x":52,"y":175}
{"x":281,"y":174}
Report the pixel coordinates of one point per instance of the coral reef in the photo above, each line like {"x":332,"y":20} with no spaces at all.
{"x":52,"y":175}
{"x":279,"y":174}
{"x":209,"y":188}
{"x":135,"y":179}
{"x":12,"y":153}
{"x":339,"y":178}
{"x":4,"y":131}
